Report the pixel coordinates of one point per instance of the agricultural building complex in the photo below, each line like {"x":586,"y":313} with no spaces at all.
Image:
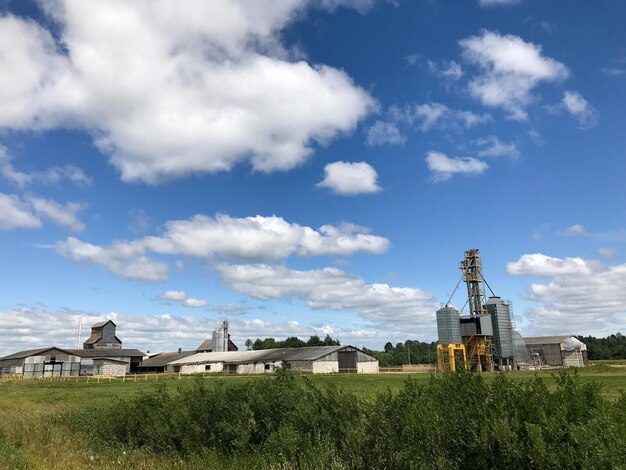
{"x":559,"y":351}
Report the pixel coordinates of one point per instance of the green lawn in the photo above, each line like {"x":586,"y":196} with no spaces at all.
{"x":31,"y":437}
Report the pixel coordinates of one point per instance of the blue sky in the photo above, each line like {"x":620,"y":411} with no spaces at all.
{"x":308,"y":167}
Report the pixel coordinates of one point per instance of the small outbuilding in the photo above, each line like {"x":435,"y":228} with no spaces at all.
{"x":558,"y":351}
{"x":315,"y":359}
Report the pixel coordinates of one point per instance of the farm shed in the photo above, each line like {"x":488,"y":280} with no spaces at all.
{"x":42,"y":362}
{"x":316,"y":360}
{"x":560,"y":351}
{"x":158,"y":362}
{"x":57,"y":362}
{"x":91,"y":359}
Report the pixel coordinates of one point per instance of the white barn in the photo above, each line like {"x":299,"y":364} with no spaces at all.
{"x":315,"y":359}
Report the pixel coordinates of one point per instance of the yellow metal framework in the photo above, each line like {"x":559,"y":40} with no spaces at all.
{"x":480,"y":353}
{"x":450,"y":357}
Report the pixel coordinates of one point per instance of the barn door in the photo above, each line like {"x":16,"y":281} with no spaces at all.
{"x":347,"y":361}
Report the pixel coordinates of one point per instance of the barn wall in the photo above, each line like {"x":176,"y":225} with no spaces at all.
{"x":550,"y":353}
{"x":573,"y":359}
{"x":300,"y":366}
{"x":112,"y":369}
{"x":325,"y":367}
{"x":369,"y":367}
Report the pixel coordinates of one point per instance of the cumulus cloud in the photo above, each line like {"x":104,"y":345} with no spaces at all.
{"x":350,"y":179}
{"x":61,"y":214}
{"x":181,"y":298}
{"x":443,"y":167}
{"x":249,"y":238}
{"x":575,"y":230}
{"x":547,"y":266}
{"x":383,"y":132}
{"x":493,"y":147}
{"x":333,"y":289}
{"x":30,"y":328}
{"x":165,"y":89}
{"x":52,"y":175}
{"x":125,"y":259}
{"x":510,"y":68}
{"x":578,"y":295}
{"x":575,"y":104}
{"x":15,"y":213}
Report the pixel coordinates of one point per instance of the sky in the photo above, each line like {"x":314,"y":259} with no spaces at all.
{"x":308,"y":167}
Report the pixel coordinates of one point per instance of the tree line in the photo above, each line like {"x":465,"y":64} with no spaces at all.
{"x":418,"y":352}
{"x":291,"y":342}
{"x":611,"y":347}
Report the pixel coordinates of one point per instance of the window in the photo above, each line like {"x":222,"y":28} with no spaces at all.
{"x":207,"y":367}
{"x":267,"y":366}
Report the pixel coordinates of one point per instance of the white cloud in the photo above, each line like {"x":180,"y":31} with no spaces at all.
{"x":575,"y":230}
{"x":165,"y":88}
{"x":52,"y":175}
{"x":61,"y":214}
{"x":547,"y":266}
{"x":250,"y":238}
{"x":510,"y":69}
{"x":444,"y":168}
{"x":181,"y":298}
{"x":430,"y":115}
{"x":350,"y":179}
{"x":125,"y":259}
{"x":446,"y":69}
{"x":194,"y":303}
{"x":575,"y":104}
{"x":578,"y":296}
{"x":382,"y":133}
{"x":426,"y":117}
{"x":15,"y":213}
{"x":333,"y":289}
{"x":608,"y":253}
{"x":493,"y":147}
{"x":493,"y":3}
{"x":31,"y":328}
{"x":617,"y":67}
{"x":175,"y":295}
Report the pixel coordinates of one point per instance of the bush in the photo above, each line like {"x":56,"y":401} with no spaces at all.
{"x":453,"y":421}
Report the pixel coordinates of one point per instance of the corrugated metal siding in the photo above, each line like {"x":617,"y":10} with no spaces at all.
{"x":550,"y":353}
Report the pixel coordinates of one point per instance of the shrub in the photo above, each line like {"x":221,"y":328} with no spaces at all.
{"x":452,"y":421}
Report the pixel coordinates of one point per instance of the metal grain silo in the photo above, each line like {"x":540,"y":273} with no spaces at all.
{"x":448,"y":325}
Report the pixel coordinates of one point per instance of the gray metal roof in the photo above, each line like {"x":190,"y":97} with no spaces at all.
{"x":34,"y":352}
{"x":310,"y":353}
{"x":546,"y":339}
{"x":102,"y":323}
{"x":106,"y":352}
{"x":206,"y":345}
{"x":163,"y":359}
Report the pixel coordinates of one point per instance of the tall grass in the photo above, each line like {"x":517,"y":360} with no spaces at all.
{"x":452,"y":421}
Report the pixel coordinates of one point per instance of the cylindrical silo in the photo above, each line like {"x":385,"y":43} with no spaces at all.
{"x":448,"y":325}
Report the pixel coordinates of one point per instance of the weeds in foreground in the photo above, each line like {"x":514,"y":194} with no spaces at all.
{"x":452,"y":421}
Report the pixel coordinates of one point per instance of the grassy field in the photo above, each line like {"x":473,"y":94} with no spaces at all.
{"x":31,"y":435}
